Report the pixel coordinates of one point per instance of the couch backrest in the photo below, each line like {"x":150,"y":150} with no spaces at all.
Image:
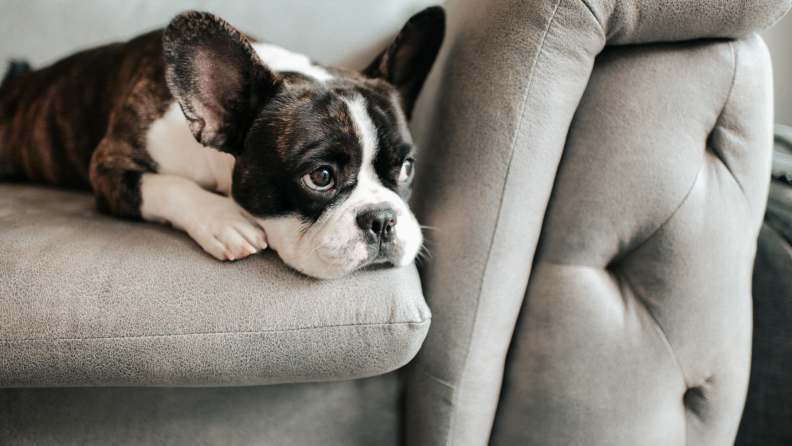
{"x":636,"y":327}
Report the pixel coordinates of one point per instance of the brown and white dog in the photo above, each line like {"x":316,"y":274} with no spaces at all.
{"x":241,"y":144}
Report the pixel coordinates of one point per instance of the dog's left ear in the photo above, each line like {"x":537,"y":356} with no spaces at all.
{"x":406,"y":62}
{"x":219,"y":81}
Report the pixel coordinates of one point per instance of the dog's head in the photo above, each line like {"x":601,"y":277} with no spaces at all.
{"x":323,"y":156}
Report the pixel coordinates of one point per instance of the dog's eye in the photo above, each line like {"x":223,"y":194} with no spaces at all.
{"x":319,"y":179}
{"x":406,"y":172}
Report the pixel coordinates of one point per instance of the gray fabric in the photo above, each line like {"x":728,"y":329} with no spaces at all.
{"x":88,"y":299}
{"x":642,"y":21}
{"x":512,"y":74}
{"x":767,"y":419}
{"x":363,"y":412}
{"x":636,"y":326}
{"x":492,"y":124}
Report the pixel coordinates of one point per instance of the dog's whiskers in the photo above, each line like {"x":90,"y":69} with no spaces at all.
{"x":314,"y":250}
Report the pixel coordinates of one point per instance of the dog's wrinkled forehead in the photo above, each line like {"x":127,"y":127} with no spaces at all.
{"x":345,"y":120}
{"x":308,"y":117}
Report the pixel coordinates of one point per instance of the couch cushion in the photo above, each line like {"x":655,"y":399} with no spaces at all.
{"x":88,"y":299}
{"x":360,"y":412}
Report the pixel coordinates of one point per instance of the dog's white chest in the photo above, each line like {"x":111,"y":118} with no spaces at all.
{"x":172,"y":146}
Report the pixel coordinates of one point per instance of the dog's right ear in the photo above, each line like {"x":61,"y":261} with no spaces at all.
{"x":216,"y":76}
{"x":406,"y":62}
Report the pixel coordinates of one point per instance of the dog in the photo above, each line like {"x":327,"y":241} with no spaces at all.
{"x":241,"y":144}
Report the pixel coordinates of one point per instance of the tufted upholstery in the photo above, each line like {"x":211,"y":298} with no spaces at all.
{"x":636,"y":326}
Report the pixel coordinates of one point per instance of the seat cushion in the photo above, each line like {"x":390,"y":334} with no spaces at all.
{"x":360,"y":412}
{"x":89,"y":299}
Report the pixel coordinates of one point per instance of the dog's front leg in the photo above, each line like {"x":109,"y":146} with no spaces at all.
{"x":125,"y":184}
{"x":217,"y":223}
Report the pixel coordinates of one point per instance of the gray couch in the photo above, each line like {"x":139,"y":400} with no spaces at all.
{"x":594,"y":178}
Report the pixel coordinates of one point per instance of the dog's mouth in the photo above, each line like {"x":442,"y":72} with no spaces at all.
{"x":330,"y":252}
{"x":381,"y":258}
{"x":356,"y":255}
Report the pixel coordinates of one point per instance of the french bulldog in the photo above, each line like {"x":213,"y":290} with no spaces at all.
{"x":242,"y":144}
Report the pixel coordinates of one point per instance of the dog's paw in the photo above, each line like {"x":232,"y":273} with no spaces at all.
{"x":227,"y":232}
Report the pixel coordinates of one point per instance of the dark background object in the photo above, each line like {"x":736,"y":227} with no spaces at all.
{"x":767,"y":419}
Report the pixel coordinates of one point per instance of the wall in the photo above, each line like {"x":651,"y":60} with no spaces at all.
{"x":340,"y":32}
{"x":779,"y":40}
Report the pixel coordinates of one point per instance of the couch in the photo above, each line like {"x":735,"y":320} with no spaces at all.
{"x":593,"y":175}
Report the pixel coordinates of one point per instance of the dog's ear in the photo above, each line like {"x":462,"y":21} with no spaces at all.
{"x":406,"y":62}
{"x":216,"y":76}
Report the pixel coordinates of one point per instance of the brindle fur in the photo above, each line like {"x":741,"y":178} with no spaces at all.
{"x":82,"y":121}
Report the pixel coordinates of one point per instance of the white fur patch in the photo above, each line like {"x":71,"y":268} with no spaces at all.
{"x":370,"y":191}
{"x":172,"y":146}
{"x":179,"y":192}
{"x":217,"y":223}
{"x":367,"y":134}
{"x":280,"y":60}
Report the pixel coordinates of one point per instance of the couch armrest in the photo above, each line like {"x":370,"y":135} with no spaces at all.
{"x":87,"y":299}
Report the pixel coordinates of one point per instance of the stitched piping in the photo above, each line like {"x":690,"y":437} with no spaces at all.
{"x":455,"y":403}
{"x":222,"y":333}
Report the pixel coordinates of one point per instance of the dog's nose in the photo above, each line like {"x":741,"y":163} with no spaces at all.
{"x":380,"y":221}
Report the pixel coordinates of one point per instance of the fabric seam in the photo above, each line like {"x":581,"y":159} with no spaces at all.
{"x":587,"y":3}
{"x":660,"y":330}
{"x":221,"y":333}
{"x":665,"y":222}
{"x":720,"y":117}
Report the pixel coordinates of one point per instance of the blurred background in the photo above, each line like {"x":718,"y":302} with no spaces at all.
{"x":43,"y":31}
{"x":779,"y":40}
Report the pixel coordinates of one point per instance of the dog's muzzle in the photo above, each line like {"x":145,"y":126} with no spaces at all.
{"x":378,"y":224}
